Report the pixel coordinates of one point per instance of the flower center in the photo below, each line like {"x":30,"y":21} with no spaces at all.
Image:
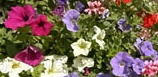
{"x":15,"y":65}
{"x":26,"y":18}
{"x":73,"y":21}
{"x":82,"y":45}
{"x":41,"y":24}
{"x":50,"y":70}
{"x":122,"y":63}
{"x":99,"y":37}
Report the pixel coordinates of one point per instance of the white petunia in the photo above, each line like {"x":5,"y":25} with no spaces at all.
{"x":55,"y":67}
{"x":13,"y":67}
{"x":99,"y":36}
{"x":81,"y":62}
{"x":81,"y":47}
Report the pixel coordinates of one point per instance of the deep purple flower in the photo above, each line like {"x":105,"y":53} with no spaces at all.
{"x":70,"y":19}
{"x":63,"y":2}
{"x":103,"y":75}
{"x":41,"y":26}
{"x":59,"y":10}
{"x":20,"y":17}
{"x":123,"y":25}
{"x":145,"y":47}
{"x":31,"y":56}
{"x":121,"y":64}
{"x":138,"y":65}
{"x":79,"y":6}
{"x":74,"y":74}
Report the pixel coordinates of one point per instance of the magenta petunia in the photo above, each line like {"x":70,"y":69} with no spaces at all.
{"x":20,"y":16}
{"x":41,"y":27}
{"x":31,"y":56}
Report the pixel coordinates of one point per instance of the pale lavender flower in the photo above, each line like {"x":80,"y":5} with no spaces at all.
{"x":79,"y":6}
{"x":74,"y":74}
{"x":63,"y":2}
{"x":103,"y":75}
{"x":70,"y":19}
{"x":138,"y":65}
{"x":106,"y":13}
{"x":59,"y":10}
{"x":121,"y":64}
{"x":123,"y":25}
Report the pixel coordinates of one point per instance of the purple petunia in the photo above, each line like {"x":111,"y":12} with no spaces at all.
{"x":20,"y":17}
{"x":59,"y":10}
{"x":103,"y":75}
{"x":123,"y":26}
{"x":121,"y":64}
{"x":74,"y":74}
{"x":138,"y":65}
{"x":70,"y":19}
{"x":31,"y":56}
{"x":79,"y":6}
{"x":63,"y":2}
{"x":145,"y":47}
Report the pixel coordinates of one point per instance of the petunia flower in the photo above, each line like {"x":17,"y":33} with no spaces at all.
{"x":145,"y":47}
{"x":81,"y":47}
{"x":99,"y":36}
{"x":53,"y":69}
{"x":151,"y":68}
{"x":124,"y":1}
{"x":138,"y":65}
{"x":79,"y":6}
{"x":70,"y":19}
{"x":121,"y":64}
{"x":95,"y":7}
{"x":20,"y":17}
{"x":31,"y":56}
{"x":13,"y":67}
{"x":81,"y":62}
{"x":123,"y":26}
{"x":59,"y":10}
{"x":41,"y":26}
{"x":73,"y":74}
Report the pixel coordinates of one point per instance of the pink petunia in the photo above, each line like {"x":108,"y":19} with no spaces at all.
{"x":41,"y":27}
{"x":31,"y":56}
{"x":20,"y":16}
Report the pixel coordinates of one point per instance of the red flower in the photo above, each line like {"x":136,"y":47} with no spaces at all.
{"x":149,"y":20}
{"x":124,"y":1}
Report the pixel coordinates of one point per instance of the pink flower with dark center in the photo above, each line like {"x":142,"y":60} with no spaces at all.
{"x":151,"y":68}
{"x":31,"y":56}
{"x":20,"y":17}
{"x":41,"y":27}
{"x":94,"y":7}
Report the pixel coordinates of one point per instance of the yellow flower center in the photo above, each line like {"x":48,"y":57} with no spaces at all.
{"x":16,"y":65}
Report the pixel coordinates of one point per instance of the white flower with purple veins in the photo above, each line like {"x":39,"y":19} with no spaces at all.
{"x":81,"y":47}
{"x":71,"y":19}
{"x":123,"y":26}
{"x":99,"y":36}
{"x":81,"y":62}
{"x":106,"y":13}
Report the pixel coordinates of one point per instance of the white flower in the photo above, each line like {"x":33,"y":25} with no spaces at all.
{"x":62,"y":59}
{"x":81,"y":47}
{"x":99,"y":36}
{"x":54,"y":68}
{"x":81,"y":62}
{"x":106,"y":13}
{"x":13,"y":67}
